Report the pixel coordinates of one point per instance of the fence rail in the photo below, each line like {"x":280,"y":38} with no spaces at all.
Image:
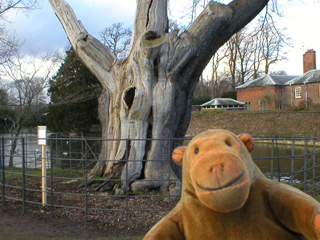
{"x":291,"y":160}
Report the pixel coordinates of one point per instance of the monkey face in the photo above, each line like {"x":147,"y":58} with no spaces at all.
{"x":218,"y":171}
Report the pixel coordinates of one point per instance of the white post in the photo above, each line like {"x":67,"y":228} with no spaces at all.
{"x":44,"y":174}
{"x":42,"y":135}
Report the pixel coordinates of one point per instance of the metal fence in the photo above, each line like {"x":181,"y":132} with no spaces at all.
{"x":291,"y":160}
{"x":295,"y":161}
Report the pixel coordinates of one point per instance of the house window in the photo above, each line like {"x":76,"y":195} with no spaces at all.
{"x":263,"y":105}
{"x":247,"y":106}
{"x":298,"y":92}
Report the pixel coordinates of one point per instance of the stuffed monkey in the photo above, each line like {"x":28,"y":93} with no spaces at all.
{"x":226,"y":197}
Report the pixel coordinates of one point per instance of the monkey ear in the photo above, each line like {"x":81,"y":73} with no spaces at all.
{"x":177,"y":155}
{"x":247,"y":141}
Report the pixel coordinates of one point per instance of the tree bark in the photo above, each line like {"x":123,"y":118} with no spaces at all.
{"x":148,"y":95}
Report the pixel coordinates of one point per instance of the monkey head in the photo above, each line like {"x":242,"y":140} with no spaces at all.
{"x":218,"y":169}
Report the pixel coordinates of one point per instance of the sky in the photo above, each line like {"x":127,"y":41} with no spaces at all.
{"x":42,"y":31}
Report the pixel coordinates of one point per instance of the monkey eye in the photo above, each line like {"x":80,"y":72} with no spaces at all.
{"x":196,"y":150}
{"x":228,"y":143}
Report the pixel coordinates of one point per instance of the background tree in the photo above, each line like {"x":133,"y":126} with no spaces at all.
{"x":4,"y":110}
{"x":202,"y":92}
{"x":229,"y":94}
{"x":26,"y":5}
{"x":148,"y":95}
{"x":232,"y":56}
{"x":74,"y":90}
{"x":3,"y":96}
{"x":27,"y":83}
{"x":271,"y":41}
{"x":9,"y":44}
{"x":250,"y":52}
{"x":245,"y":51}
{"x":9,"y":48}
{"x":117,"y":39}
{"x":216,"y":76}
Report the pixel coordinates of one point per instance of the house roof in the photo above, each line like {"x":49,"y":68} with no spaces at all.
{"x":222,"y":101}
{"x":268,"y":80}
{"x":311,"y":76}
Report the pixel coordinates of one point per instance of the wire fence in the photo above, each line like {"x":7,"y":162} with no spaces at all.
{"x":295,"y":161}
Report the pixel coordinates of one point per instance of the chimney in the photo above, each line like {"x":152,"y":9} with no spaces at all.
{"x":309,"y":60}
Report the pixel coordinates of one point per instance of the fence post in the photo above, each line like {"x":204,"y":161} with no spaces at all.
{"x":169,"y":165}
{"x":82,"y":153}
{"x":272,"y":160}
{"x":127,"y":181}
{"x":278,"y":160}
{"x":70,"y":152}
{"x":42,"y":140}
{"x":3,"y":173}
{"x":23,"y":176}
{"x":51,"y":176}
{"x":305,"y":165}
{"x":292,"y":161}
{"x":314,"y":168}
{"x":44,"y":174}
{"x":86,"y":181}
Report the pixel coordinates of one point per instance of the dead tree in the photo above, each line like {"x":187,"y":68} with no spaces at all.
{"x":148,"y":94}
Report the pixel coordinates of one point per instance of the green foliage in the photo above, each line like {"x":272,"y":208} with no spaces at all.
{"x":17,"y":173}
{"x":198,"y":100}
{"x":74,"y":97}
{"x":297,"y":108}
{"x":9,"y":118}
{"x":35,"y":120}
{"x":5,"y":115}
{"x":232,"y":95}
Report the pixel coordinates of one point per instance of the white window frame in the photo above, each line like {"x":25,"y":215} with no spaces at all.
{"x":247,"y":106}
{"x":263,"y":105}
{"x":297,"y":92}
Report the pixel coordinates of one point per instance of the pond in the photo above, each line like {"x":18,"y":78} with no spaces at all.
{"x":30,"y":147}
{"x":290,"y":162}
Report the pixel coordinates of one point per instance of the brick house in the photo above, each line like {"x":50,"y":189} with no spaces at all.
{"x":303,"y":90}
{"x":272,"y":92}
{"x":264,"y":93}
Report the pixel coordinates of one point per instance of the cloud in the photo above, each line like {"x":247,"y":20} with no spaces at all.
{"x":42,"y":31}
{"x":302,"y":22}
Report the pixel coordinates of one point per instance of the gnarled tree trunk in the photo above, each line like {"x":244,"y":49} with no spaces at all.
{"x":148,"y":94}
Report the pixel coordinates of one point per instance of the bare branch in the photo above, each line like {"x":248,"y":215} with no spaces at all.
{"x":117,"y":39}
{"x":6,"y":5}
{"x":87,"y":47}
{"x":217,"y":23}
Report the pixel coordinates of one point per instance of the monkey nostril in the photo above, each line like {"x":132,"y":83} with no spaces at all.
{"x":218,"y":168}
